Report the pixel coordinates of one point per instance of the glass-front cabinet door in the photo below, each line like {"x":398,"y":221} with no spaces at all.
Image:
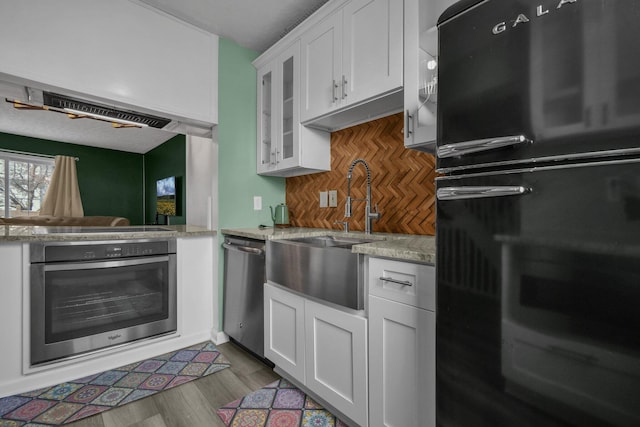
{"x":278,"y":110}
{"x":421,"y":71}
{"x":289,"y":106}
{"x":266,"y":126}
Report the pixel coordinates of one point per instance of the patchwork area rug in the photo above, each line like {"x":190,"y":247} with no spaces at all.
{"x":278,"y":404}
{"x":71,"y":401}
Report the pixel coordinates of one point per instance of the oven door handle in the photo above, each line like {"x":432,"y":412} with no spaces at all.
{"x":468,"y":147}
{"x":459,"y":193}
{"x":104,"y":264}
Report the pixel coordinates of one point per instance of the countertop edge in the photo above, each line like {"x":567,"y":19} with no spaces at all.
{"x":405,"y":247}
{"x":18,"y":233}
{"x":396,"y":253}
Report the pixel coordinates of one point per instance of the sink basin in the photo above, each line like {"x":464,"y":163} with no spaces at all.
{"x":331,"y":241}
{"x":322,"y":267}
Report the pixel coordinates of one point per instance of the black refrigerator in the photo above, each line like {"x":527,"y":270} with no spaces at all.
{"x":538,"y":214}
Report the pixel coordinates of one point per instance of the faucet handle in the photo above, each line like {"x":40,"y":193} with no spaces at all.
{"x":375,"y":214}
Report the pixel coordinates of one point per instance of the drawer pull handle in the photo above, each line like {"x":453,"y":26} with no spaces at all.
{"x":399,"y":282}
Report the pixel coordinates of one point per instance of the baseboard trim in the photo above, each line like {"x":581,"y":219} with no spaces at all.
{"x":219,"y":337}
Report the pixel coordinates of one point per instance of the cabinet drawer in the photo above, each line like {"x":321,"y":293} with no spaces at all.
{"x":405,"y":282}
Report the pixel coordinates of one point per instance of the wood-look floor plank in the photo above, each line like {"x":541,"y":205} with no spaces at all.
{"x":192,"y":404}
{"x":155,"y":421}
{"x":94,"y":421}
{"x":252,"y":371}
{"x":226,"y":387}
{"x":185,"y":406}
{"x":131,"y":413}
{"x":243,"y":361}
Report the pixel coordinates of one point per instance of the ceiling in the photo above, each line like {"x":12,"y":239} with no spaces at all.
{"x":253,"y":24}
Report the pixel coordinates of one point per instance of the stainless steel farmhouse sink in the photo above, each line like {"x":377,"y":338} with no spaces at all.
{"x":322,"y":267}
{"x":329,"y":241}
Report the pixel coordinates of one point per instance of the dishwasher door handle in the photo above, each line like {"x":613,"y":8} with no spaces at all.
{"x":247,"y":249}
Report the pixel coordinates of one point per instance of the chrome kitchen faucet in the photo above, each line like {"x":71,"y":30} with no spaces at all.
{"x":369,"y":214}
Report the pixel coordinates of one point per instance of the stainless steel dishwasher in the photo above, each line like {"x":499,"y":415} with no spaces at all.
{"x":244,"y":277}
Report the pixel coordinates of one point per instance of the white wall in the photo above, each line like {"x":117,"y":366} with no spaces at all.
{"x":202,"y":182}
{"x":202,"y":208}
{"x":112,"y":51}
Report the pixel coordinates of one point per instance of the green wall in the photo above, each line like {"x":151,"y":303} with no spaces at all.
{"x":168,"y":159}
{"x":238,"y":181}
{"x":110,"y":181}
{"x":237,"y":178}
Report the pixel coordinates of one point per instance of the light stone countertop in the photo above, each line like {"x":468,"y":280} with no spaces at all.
{"x":13,"y":233}
{"x":405,"y":247}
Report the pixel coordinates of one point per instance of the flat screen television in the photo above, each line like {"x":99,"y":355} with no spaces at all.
{"x":166,"y":196}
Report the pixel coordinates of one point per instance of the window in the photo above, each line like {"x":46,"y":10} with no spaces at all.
{"x":23,"y":183}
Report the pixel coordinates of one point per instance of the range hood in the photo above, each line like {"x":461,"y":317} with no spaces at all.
{"x":77,"y":107}
{"x":80,"y":108}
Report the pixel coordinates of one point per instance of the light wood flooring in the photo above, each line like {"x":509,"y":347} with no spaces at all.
{"x":192,"y":404}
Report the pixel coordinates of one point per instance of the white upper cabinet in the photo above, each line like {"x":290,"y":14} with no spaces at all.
{"x":372,"y":49}
{"x":421,"y":71}
{"x":116,"y":51}
{"x":322,"y":88}
{"x":352,"y":64}
{"x":284,"y":146}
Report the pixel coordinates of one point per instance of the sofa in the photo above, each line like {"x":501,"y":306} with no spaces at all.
{"x":67,"y":221}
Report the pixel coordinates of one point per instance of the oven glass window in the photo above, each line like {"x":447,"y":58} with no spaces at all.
{"x":85,"y":302}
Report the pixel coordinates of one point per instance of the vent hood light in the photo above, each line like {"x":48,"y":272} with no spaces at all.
{"x":77,"y":114}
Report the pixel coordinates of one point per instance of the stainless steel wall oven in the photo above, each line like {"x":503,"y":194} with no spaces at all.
{"x":86,"y":296}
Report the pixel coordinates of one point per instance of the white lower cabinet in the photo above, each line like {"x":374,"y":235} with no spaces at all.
{"x":323,"y":348}
{"x":284,"y":330}
{"x":401,"y":344}
{"x":402,"y":365}
{"x":336,"y":359}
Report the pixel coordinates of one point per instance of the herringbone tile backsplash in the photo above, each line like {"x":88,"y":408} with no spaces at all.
{"x":402,"y":182}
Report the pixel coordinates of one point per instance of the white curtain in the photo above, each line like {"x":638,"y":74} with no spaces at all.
{"x":63,"y":195}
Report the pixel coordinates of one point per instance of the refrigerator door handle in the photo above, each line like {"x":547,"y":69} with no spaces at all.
{"x":468,"y":147}
{"x":459,"y":193}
